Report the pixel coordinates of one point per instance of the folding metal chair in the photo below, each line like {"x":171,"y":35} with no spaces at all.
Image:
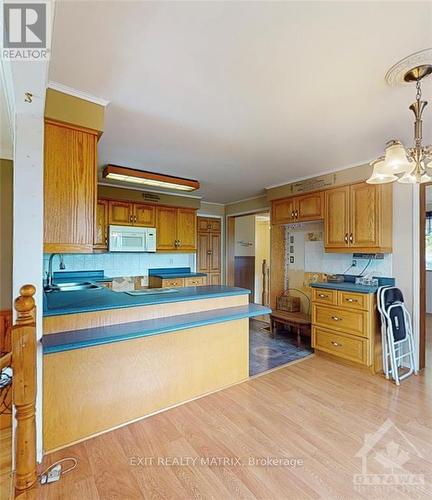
{"x":397,"y":335}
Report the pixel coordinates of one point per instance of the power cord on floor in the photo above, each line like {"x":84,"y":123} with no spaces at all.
{"x":54,"y":471}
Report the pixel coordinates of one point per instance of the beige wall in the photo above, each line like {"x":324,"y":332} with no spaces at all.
{"x":143,"y":196}
{"x":6,"y":183}
{"x":248,"y":206}
{"x":69,"y":109}
{"x":212,"y":209}
{"x":346,"y":176}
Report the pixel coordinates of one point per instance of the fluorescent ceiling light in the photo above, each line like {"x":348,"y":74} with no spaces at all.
{"x":125,"y":174}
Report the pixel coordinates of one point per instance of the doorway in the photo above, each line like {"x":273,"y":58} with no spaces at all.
{"x":248,"y":266}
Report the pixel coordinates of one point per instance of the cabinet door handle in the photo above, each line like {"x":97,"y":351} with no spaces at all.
{"x":296,"y":214}
{"x":336,"y":318}
{"x":336,"y":344}
{"x":135,"y":218}
{"x":351,"y":238}
{"x":209,"y":252}
{"x":130,"y":218}
{"x":351,"y":300}
{"x":323,"y":295}
{"x":292,"y":214}
{"x":346,"y":238}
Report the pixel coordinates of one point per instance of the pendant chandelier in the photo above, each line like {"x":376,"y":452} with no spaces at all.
{"x":411,"y":165}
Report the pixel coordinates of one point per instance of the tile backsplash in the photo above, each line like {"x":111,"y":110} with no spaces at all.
{"x":121,"y":264}
{"x":304,"y":247}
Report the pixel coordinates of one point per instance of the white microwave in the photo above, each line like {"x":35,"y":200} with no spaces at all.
{"x":132,"y":239}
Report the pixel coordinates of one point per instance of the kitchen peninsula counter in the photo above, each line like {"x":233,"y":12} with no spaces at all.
{"x":111,"y":358}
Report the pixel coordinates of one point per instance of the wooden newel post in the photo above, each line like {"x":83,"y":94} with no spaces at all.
{"x":24,"y":387}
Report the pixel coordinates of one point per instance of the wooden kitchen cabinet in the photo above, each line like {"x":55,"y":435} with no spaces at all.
{"x":345,"y":325}
{"x":336,"y":217}
{"x":70,"y":155}
{"x":209,"y":250}
{"x":283,"y":211}
{"x":101,"y":226}
{"x":166,"y":228}
{"x":120,"y":213}
{"x":144,"y":215}
{"x":176,"y":229}
{"x":359,"y":218}
{"x":211,"y":224}
{"x":124,"y":213}
{"x":186,"y":229}
{"x":307,"y":207}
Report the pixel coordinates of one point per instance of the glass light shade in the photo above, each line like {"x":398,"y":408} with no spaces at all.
{"x":395,"y":160}
{"x":379,"y":175}
{"x":411,"y":178}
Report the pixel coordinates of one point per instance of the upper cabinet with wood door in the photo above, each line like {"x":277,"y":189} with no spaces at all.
{"x":307,"y":207}
{"x":359,"y":218}
{"x":209,"y":249}
{"x":125,"y":213}
{"x":70,"y":155}
{"x":176,"y":229}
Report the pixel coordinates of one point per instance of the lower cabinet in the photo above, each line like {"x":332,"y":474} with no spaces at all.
{"x":156,"y":282}
{"x":345,"y":325}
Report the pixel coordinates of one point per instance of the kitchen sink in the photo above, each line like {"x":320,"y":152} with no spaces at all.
{"x":71,"y":287}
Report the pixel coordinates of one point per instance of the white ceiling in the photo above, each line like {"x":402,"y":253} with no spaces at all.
{"x":242,"y":95}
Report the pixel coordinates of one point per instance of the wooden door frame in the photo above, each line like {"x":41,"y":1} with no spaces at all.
{"x":230,"y":242}
{"x":422,"y":281}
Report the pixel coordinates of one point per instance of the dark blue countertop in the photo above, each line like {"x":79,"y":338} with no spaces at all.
{"x":349,"y":284}
{"x":73,"y":276}
{"x":174,"y":272}
{"x":59,"y":303}
{"x":80,"y":339}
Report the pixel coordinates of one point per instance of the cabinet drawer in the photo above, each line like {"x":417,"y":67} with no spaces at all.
{"x":354,"y":300}
{"x":324,"y":296}
{"x":169,"y":283}
{"x":336,"y":318}
{"x":344,"y":346}
{"x":198,"y":281}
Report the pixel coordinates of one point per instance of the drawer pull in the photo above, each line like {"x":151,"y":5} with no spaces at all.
{"x":323,"y":296}
{"x":336,"y":318}
{"x":351,"y":300}
{"x":336,"y":344}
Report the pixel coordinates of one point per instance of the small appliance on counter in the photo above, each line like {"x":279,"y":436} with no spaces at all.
{"x":131,"y":239}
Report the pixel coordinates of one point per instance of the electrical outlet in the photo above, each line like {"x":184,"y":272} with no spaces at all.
{"x":354,"y":263}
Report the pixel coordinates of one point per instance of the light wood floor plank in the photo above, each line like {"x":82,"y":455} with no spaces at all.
{"x":316,"y":410}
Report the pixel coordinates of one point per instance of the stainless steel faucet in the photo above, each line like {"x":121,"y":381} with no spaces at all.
{"x":50,"y":271}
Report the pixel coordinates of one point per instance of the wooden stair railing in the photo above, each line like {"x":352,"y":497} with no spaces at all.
{"x":23,"y":362}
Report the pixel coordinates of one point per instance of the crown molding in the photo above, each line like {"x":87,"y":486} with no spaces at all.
{"x":322,"y":172}
{"x":246,"y":199}
{"x":77,"y":93}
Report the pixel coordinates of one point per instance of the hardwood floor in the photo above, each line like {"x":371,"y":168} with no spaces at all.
{"x":316,"y":411}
